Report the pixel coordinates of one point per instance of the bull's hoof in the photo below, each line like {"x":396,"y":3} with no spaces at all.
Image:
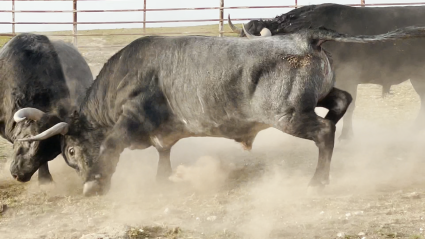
{"x":316,"y":182}
{"x":45,"y":180}
{"x":315,"y":191}
{"x":345,"y":137}
{"x":163,"y":180}
{"x":387,"y":95}
{"x":316,"y":187}
{"x":163,"y":177}
{"x":47,"y":187}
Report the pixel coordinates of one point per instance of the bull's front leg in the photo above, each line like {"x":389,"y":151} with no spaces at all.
{"x":164,"y":165}
{"x":125,"y":132}
{"x":100,"y":172}
{"x":419,"y":86}
{"x":44,"y":176}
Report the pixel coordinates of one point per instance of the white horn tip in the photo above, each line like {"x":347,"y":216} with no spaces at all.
{"x":265,"y":32}
{"x":24,"y":113}
{"x":18,"y":119}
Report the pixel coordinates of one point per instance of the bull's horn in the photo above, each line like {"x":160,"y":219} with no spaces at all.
{"x":60,"y":128}
{"x":233,"y":27}
{"x":265,"y":32}
{"x":30,"y":113}
{"x":248,"y":35}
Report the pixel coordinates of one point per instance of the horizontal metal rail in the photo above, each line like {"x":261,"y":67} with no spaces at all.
{"x":121,"y":34}
{"x":52,"y":0}
{"x":135,"y":22}
{"x":189,"y":9}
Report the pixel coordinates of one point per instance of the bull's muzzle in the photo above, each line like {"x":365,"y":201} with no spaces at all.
{"x":98,"y":186}
{"x":92,"y":188}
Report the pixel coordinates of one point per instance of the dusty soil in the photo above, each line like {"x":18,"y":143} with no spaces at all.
{"x":376,"y":191}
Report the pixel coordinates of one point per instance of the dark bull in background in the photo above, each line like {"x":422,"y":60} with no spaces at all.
{"x":158,"y":90}
{"x":385,"y":63}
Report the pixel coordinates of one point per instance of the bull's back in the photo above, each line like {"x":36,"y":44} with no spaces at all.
{"x":77,"y":72}
{"x":31,"y":76}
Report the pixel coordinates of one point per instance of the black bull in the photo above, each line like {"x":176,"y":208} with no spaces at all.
{"x":158,"y":90}
{"x":51,"y":76}
{"x":386,"y":63}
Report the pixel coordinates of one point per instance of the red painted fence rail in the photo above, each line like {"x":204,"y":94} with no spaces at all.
{"x":220,"y":18}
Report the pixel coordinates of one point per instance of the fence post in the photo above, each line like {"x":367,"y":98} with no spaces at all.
{"x":13,"y":17}
{"x":221,"y":17}
{"x":296,"y":3}
{"x":144,"y":16}
{"x":74,"y":23}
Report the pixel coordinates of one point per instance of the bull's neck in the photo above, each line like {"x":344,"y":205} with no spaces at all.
{"x":95,"y":107}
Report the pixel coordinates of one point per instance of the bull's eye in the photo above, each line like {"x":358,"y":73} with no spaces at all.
{"x":71,"y":151}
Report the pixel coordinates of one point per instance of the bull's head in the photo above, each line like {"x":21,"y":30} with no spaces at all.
{"x":252,"y":26}
{"x":80,"y":146}
{"x":29,"y":156}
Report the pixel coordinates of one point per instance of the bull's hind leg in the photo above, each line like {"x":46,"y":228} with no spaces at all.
{"x":347,"y":127}
{"x":337,"y":102}
{"x":44,"y":176}
{"x":419,"y":86}
{"x":308,"y":125}
{"x":164,"y":165}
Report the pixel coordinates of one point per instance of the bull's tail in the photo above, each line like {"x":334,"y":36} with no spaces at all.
{"x":322,"y":35}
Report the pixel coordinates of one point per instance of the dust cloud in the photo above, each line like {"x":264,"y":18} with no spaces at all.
{"x":219,"y":190}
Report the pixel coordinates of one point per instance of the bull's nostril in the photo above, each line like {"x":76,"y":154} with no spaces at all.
{"x":15,"y":176}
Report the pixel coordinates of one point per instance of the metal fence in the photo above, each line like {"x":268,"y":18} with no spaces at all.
{"x":220,"y":8}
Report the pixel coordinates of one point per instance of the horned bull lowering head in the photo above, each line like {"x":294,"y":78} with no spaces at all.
{"x":80,"y":144}
{"x":28,"y":156}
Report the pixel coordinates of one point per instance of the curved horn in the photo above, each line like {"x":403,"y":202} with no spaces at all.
{"x":248,"y":35}
{"x":30,"y":113}
{"x":233,"y":27}
{"x":60,"y":128}
{"x":265,"y":32}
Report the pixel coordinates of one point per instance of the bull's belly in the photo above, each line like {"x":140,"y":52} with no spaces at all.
{"x":228,"y":129}
{"x":241,"y":131}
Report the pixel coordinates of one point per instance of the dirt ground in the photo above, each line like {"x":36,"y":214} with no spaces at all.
{"x":376,"y":191}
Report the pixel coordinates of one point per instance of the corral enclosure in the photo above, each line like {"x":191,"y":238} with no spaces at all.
{"x":376,"y":191}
